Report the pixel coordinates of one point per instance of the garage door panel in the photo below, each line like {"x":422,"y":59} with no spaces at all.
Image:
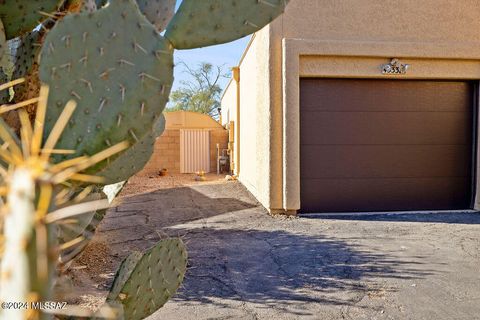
{"x":389,"y":95}
{"x":350,"y":195}
{"x":395,"y":128}
{"x":386,"y":161}
{"x":385,"y":145}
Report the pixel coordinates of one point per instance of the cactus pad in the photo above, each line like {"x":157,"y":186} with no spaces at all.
{"x":26,"y":54}
{"x":210,"y":22}
{"x":4,"y":94}
{"x":3,"y":40}
{"x":123,"y":274}
{"x":26,"y":66}
{"x":153,"y":280}
{"x":78,"y":225}
{"x":83,"y":225}
{"x":134,"y":159}
{"x":118,"y":69}
{"x":21,"y":16}
{"x":89,"y":6}
{"x":158,"y":12}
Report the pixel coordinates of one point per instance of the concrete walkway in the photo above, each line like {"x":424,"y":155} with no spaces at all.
{"x":245,"y":264}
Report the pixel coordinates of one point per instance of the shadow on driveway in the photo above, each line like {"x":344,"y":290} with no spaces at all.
{"x":278,"y":268}
{"x":244,"y":264}
{"x":472,"y":217}
{"x":141,"y":216}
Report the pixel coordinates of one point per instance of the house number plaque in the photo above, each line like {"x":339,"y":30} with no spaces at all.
{"x":395,"y":67}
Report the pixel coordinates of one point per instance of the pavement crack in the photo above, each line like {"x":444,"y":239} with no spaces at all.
{"x":273,"y":256}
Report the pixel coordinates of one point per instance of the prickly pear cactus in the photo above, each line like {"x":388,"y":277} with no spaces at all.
{"x":134,"y":159}
{"x":158,"y":12}
{"x":32,"y":214}
{"x":18,"y":230}
{"x":146,"y":282}
{"x":80,"y":229}
{"x":26,"y":54}
{"x":209,"y":22}
{"x":3,"y":40}
{"x":120,"y":79}
{"x":21,"y":16}
{"x":4,"y":95}
{"x":123,"y":274}
{"x":26,"y":66}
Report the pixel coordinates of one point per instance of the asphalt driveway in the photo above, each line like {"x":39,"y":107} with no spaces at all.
{"x":245,"y":264}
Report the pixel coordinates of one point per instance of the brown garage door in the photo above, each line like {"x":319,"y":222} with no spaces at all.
{"x":385,"y":145}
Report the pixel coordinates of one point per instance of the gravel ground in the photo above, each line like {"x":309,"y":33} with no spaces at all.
{"x":144,"y":184}
{"x":245,"y":264}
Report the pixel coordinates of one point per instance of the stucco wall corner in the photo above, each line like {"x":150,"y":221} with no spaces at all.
{"x":291,"y":126}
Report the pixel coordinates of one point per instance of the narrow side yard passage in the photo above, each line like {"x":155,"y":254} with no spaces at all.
{"x":244,"y":264}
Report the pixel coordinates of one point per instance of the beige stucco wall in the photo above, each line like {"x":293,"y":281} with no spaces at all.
{"x":229,"y":103}
{"x":440,"y":39}
{"x":383,"y":20}
{"x":254,"y":134}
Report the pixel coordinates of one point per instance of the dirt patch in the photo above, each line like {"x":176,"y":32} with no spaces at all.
{"x":87,"y":280}
{"x":143,"y":184}
{"x":95,"y":260}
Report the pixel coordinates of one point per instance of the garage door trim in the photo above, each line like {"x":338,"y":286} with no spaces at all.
{"x":466,"y":100}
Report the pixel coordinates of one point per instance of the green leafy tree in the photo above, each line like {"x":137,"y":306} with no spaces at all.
{"x":202,"y":93}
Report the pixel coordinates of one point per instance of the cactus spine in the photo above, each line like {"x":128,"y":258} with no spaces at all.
{"x":32,"y":189}
{"x":18,"y":230}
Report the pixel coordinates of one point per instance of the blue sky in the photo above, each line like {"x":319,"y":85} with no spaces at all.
{"x":225,"y":54}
